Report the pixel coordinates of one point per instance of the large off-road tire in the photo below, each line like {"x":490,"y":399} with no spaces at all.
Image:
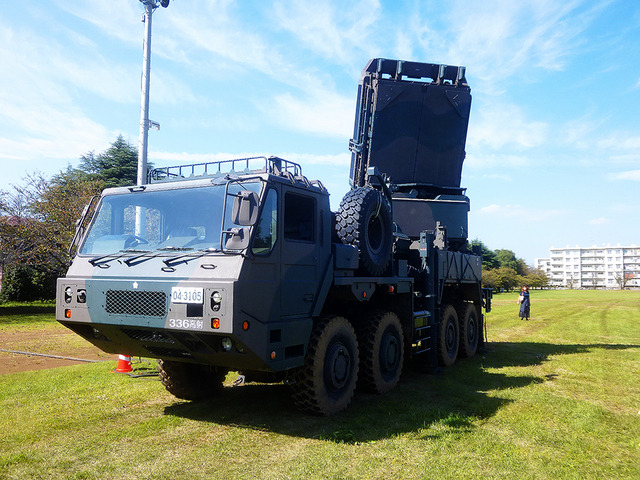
{"x":469,"y":329}
{"x":191,"y":381}
{"x":325,"y":384}
{"x":381,"y":344}
{"x":448,"y":341}
{"x":364,"y":220}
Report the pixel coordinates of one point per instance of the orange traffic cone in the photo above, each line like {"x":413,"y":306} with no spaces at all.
{"x":124,"y":364}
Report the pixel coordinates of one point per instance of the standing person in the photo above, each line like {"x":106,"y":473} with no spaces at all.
{"x":525,"y":303}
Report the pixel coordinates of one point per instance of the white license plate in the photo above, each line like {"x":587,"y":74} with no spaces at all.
{"x":187,"y":295}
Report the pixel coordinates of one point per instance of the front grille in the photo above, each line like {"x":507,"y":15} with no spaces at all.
{"x":135,"y":302}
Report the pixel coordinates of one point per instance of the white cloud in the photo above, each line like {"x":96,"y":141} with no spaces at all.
{"x":167,"y":89}
{"x":216,"y":32}
{"x":599,"y":221}
{"x":501,"y":38}
{"x":337,"y":31}
{"x":500,"y":125}
{"x":119,"y":19}
{"x":620,"y":141}
{"x":581,"y":132}
{"x":38,"y":116}
{"x":320,"y":112}
{"x":404,"y":46}
{"x":633,"y":175}
{"x":593,"y":134}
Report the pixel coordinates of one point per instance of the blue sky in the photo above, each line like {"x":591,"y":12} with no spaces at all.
{"x":554,"y":138}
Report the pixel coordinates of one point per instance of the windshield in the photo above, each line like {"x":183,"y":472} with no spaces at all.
{"x":178,"y":219}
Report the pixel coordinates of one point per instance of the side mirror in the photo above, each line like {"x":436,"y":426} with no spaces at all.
{"x":245,"y":208}
{"x":238,"y":239}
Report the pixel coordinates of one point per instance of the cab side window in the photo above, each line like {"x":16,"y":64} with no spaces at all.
{"x":267,"y":226}
{"x":299,"y":218}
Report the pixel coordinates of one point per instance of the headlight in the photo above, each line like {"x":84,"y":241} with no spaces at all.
{"x":82,"y":296}
{"x":216,"y":299}
{"x":68,"y":294}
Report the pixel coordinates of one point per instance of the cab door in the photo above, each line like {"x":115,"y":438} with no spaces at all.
{"x":301,"y":249}
{"x":260,"y":279}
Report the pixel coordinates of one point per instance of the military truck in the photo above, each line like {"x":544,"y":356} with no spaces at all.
{"x":241,"y":264}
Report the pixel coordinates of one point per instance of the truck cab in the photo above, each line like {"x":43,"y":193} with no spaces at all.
{"x":203,"y":267}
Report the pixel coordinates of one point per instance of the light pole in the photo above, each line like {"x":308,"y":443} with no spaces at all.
{"x":145,"y":123}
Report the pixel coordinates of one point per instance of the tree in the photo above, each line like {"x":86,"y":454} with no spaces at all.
{"x":536,"y":278}
{"x":37,"y":220}
{"x":36,"y":228}
{"x":508,"y":259}
{"x":623,"y":278}
{"x":502,"y":278}
{"x":490,"y":278}
{"x":117,"y":166}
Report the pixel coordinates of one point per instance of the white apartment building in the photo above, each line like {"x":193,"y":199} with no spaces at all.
{"x":592,"y":267}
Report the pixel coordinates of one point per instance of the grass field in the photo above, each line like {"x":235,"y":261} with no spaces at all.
{"x":555,"y":397}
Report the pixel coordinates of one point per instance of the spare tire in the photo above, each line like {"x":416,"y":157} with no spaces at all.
{"x":364,"y":221}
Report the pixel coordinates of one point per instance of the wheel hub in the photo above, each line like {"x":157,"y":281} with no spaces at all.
{"x":471,"y":330}
{"x":337,"y":366}
{"x":389,"y":353}
{"x":376,"y":233}
{"x":450,"y":336}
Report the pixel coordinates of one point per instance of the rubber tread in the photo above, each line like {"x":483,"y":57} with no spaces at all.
{"x":370,"y":377}
{"x":468,"y":349}
{"x":190,"y":381}
{"x":449,"y":315}
{"x":309,"y":391}
{"x":357,"y":207}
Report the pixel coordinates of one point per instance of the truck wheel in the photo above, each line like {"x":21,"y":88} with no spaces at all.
{"x":469,"y":330}
{"x":325,"y":384}
{"x":364,"y":220}
{"x":449,"y":336}
{"x":381,"y":353}
{"x":190,"y":381}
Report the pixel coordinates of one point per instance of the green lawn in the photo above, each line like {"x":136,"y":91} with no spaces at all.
{"x":555,"y":397}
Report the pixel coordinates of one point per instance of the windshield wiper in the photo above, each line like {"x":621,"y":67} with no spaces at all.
{"x":111,"y":256}
{"x":187,"y":257}
{"x":137,"y":259}
{"x":97,"y":261}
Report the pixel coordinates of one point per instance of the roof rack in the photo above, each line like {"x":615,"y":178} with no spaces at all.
{"x":238,"y":166}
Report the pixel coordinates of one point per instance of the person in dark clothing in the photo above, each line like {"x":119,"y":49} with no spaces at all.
{"x":525,"y":303}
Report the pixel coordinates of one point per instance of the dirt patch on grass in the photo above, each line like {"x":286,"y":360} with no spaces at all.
{"x":52,"y":340}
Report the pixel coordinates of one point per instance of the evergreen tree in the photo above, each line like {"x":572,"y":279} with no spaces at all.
{"x":117,"y":166}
